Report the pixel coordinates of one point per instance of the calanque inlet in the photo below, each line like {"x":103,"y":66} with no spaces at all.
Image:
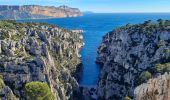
{"x":39,"y":61}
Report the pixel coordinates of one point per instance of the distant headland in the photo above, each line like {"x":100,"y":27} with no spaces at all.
{"x":37,"y":12}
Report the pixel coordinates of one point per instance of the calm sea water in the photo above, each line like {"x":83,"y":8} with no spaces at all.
{"x":95,"y":27}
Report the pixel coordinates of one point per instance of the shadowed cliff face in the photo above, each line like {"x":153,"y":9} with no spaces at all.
{"x":39,"y":52}
{"x":37,"y":12}
{"x":130,"y":56}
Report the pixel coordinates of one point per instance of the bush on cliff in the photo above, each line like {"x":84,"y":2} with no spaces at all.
{"x":1,"y":83}
{"x":161,"y":68}
{"x":144,"y":76}
{"x":127,"y":98}
{"x":167,"y":50}
{"x":162,"y":43}
{"x":3,"y":35}
{"x":7,"y":24}
{"x":38,"y":91}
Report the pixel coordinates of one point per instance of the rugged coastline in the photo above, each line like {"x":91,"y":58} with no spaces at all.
{"x":134,"y":58}
{"x":31,"y":52}
{"x":131,"y":55}
{"x":37,"y":12}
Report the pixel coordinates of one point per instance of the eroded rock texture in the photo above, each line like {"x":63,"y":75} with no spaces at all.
{"x":5,"y":92}
{"x":131,"y":55}
{"x":39,"y":52}
{"x":155,"y":89}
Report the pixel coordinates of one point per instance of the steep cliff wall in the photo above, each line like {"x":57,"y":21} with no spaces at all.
{"x":37,"y":12}
{"x":130,"y":56}
{"x":155,"y":89}
{"x":39,"y":52}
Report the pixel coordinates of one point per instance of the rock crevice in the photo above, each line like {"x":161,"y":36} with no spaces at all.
{"x":39,"y":52}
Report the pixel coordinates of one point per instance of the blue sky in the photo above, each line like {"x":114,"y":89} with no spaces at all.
{"x":101,"y":5}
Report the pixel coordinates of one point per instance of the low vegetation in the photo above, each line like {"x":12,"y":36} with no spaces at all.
{"x":167,"y":50}
{"x":3,"y":35}
{"x":161,"y":68}
{"x":162,"y":43}
{"x":7,"y":24}
{"x":144,"y":76}
{"x":38,"y":91}
{"x":127,"y":98}
{"x":148,"y":27}
{"x":1,"y":83}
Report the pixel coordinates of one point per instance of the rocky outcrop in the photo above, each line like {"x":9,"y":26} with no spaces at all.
{"x":39,"y":52}
{"x":37,"y":12}
{"x":5,"y":92}
{"x":131,"y":55}
{"x":154,"y":89}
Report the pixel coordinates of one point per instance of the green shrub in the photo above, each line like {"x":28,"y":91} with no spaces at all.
{"x":161,"y":22}
{"x":127,"y":98}
{"x":1,"y":83}
{"x":19,"y":52}
{"x":162,"y":67}
{"x":147,"y":23}
{"x":38,"y":91}
{"x":167,"y":23}
{"x":4,"y":35}
{"x":162,"y":43}
{"x":144,"y":76}
{"x":167,"y":50}
{"x":7,"y":25}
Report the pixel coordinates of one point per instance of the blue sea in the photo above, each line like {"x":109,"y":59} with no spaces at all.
{"x":95,"y":26}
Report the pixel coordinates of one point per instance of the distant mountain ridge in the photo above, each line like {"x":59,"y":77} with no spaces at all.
{"x":37,"y":12}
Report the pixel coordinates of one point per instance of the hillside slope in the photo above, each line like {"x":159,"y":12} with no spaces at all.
{"x":39,"y":52}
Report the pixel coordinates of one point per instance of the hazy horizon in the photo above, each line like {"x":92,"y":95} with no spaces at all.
{"x":102,"y":6}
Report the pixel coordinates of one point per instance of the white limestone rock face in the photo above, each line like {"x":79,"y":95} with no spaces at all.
{"x":155,"y":89}
{"x":40,"y":52}
{"x":129,"y":56}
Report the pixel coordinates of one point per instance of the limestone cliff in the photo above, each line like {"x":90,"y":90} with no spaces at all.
{"x":37,"y":12}
{"x":5,"y":92}
{"x":131,"y":55}
{"x":155,"y":89}
{"x":39,"y":52}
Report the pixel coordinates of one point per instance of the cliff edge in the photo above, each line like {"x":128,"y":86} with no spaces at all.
{"x":131,"y":55}
{"x":37,"y":12}
{"x":39,"y":52}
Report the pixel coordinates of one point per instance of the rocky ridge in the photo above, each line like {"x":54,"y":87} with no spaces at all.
{"x":39,"y":52}
{"x":130,"y":56}
{"x":37,"y":12}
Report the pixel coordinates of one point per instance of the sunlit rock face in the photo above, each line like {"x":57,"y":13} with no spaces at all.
{"x":37,"y":12}
{"x":155,"y":89}
{"x":130,"y":56}
{"x":39,"y":52}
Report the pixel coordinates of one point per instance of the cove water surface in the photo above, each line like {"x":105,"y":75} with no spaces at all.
{"x":95,"y":26}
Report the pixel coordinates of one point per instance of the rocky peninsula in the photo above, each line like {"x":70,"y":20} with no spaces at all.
{"x":37,"y":12}
{"x":38,"y":60}
{"x":135,"y":62}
